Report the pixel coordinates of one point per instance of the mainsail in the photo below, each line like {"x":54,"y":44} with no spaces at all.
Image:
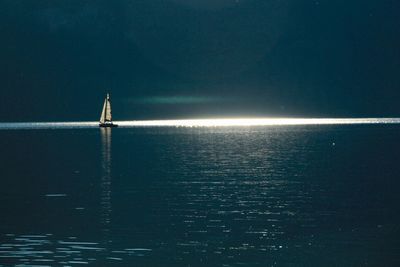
{"x":106,"y":112}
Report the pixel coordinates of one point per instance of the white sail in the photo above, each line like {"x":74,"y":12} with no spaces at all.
{"x":103,"y":112}
{"x":106,"y":112}
{"x":108,"y":109}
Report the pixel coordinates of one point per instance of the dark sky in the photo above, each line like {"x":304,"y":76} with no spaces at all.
{"x":198,"y":58}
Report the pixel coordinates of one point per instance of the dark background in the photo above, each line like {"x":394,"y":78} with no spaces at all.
{"x":180,"y":59}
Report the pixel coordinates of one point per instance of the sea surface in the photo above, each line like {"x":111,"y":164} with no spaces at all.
{"x":276,"y":195}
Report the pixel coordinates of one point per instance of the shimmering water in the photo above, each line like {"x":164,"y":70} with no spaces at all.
{"x":311,"y":195}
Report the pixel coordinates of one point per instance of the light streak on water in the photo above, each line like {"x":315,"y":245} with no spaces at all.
{"x":231,"y":122}
{"x":257,"y":122}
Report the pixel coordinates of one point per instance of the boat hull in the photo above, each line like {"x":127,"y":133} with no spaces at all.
{"x":108,"y":125}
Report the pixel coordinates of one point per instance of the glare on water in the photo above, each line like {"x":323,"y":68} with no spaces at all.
{"x":258,"y":122}
{"x":215,"y":122}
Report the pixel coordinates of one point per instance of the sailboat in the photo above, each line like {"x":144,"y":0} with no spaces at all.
{"x":106,"y":118}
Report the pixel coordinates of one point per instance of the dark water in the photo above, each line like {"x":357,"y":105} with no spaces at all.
{"x":259,"y":196}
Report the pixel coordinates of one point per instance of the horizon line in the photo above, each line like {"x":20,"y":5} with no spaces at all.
{"x":211,"y":122}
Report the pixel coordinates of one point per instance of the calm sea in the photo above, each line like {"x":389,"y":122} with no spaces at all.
{"x":311,"y":195}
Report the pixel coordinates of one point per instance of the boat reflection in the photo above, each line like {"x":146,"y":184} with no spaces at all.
{"x":106,"y":206}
